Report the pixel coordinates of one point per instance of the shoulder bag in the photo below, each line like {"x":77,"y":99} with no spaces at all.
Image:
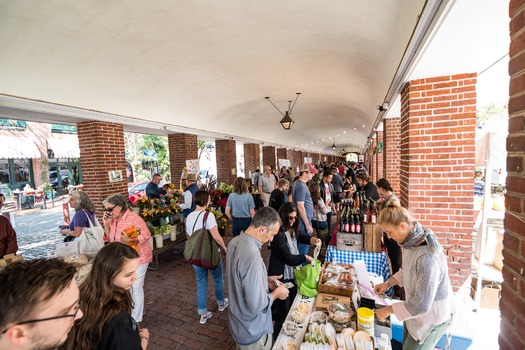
{"x":200,"y":248}
{"x":92,"y":238}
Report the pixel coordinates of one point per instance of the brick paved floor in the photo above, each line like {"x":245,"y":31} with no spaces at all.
{"x":171,"y":307}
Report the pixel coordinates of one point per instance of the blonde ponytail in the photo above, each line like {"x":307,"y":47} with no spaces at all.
{"x":394,"y":214}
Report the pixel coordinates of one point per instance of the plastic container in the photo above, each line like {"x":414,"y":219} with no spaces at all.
{"x":384,"y":343}
{"x":365,"y":321}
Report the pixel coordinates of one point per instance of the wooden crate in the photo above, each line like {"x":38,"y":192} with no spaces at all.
{"x":322,"y":300}
{"x":372,"y":237}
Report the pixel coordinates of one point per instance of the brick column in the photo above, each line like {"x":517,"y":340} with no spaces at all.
{"x":296,"y":159}
{"x":373,"y":158}
{"x":252,"y":158}
{"x":290,"y":154}
{"x":438,"y":121}
{"x":226,"y":161}
{"x":281,"y":154}
{"x":269,"y":156}
{"x":391,"y":151}
{"x":182,"y":147}
{"x":380,"y":170}
{"x":101,"y":150}
{"x":512,"y":304}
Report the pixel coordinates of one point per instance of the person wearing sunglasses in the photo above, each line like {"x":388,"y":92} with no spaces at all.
{"x":117,"y":218}
{"x":39,"y":303}
{"x":105,"y":294}
{"x":284,"y":257}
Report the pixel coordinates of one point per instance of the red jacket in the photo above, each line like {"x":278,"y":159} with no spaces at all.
{"x":8,"y":243}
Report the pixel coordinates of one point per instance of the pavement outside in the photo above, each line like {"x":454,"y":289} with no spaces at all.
{"x":170,"y":294}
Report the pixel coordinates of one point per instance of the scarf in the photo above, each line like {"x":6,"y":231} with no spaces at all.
{"x":419,"y":235}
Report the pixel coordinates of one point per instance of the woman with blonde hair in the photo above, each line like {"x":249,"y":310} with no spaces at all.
{"x":427,"y":310}
{"x":106,"y":301}
{"x":240,"y":207}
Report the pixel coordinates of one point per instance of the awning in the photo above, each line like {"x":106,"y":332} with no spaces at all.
{"x":18,"y":148}
{"x":66,"y":147}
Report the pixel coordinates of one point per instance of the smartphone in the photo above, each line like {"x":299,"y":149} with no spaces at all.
{"x":63,"y":227}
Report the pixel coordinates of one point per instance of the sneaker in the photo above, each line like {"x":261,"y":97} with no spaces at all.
{"x":205,"y":317}
{"x":224,"y":305}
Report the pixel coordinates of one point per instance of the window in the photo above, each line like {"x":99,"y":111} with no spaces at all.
{"x":4,"y":171}
{"x":21,"y":168}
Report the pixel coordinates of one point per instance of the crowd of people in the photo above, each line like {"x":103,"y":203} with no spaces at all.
{"x":106,"y":311}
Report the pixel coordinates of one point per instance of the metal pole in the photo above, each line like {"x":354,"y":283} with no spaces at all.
{"x":482,"y":234}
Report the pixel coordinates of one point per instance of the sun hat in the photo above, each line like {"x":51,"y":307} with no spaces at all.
{"x":191,"y":177}
{"x":309,"y":167}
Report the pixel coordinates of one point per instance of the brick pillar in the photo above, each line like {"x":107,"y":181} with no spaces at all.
{"x":269,"y":156}
{"x":438,"y":121}
{"x":296,"y":159}
{"x":226,"y":161}
{"x":281,"y":154}
{"x":182,"y":147}
{"x":391,"y":151}
{"x":252,"y":158}
{"x":101,"y":150}
{"x":380,"y":172}
{"x":512,"y":304}
{"x":373,"y":160}
{"x":290,"y":154}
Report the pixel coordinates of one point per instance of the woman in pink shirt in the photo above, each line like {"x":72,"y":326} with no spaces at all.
{"x":117,"y":218}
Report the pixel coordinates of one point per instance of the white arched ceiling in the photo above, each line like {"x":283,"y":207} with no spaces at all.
{"x":206,"y":66}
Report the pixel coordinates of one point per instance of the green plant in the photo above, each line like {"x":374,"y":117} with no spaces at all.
{"x":161,"y":230}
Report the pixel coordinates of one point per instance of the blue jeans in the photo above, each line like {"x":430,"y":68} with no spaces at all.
{"x":202,"y":286}
{"x":303,"y":248}
{"x":240,"y":224}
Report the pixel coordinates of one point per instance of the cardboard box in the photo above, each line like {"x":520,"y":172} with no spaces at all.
{"x":352,"y":242}
{"x":322,"y":300}
{"x":490,"y":297}
{"x":372,"y":234}
{"x":334,"y":290}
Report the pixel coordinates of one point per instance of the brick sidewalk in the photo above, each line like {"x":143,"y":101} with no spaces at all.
{"x":171,"y":307}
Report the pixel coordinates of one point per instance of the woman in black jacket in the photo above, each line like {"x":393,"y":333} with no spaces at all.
{"x":284,"y":257}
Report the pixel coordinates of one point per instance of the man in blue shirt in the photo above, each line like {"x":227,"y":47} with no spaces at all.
{"x":303,"y":201}
{"x":250,"y":312}
{"x":152,"y":189}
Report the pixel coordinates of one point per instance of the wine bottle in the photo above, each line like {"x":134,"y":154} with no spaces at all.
{"x":347,"y":221}
{"x":366,"y":212}
{"x":357,"y":224}
{"x":373,"y":218}
{"x":352,"y":223}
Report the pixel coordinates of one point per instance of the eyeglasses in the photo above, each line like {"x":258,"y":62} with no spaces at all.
{"x":76,"y":308}
{"x":292,"y":217}
{"x":109,"y":209}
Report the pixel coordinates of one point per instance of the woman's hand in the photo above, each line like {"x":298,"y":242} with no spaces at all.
{"x":124,"y":238}
{"x":309,"y":258}
{"x":106,"y":218}
{"x":384,"y":312}
{"x":381,"y":288}
{"x":315,"y":241}
{"x":380,"y":200}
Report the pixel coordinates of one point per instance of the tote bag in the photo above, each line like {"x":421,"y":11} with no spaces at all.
{"x":92,"y":238}
{"x":307,"y":277}
{"x":200,"y":248}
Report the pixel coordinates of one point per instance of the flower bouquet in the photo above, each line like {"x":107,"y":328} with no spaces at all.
{"x":132,"y":232}
{"x":168,"y":187}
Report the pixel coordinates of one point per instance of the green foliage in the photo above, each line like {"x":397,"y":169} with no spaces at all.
{"x":492,"y":111}
{"x":136,"y":144}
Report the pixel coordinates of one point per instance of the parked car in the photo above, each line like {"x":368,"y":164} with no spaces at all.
{"x":66,"y":179}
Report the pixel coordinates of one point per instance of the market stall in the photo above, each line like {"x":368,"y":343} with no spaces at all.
{"x":341,"y":316}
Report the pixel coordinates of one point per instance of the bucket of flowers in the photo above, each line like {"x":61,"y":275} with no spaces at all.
{"x":222,"y":221}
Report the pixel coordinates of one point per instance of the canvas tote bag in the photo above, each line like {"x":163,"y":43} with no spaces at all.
{"x":200,"y":248}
